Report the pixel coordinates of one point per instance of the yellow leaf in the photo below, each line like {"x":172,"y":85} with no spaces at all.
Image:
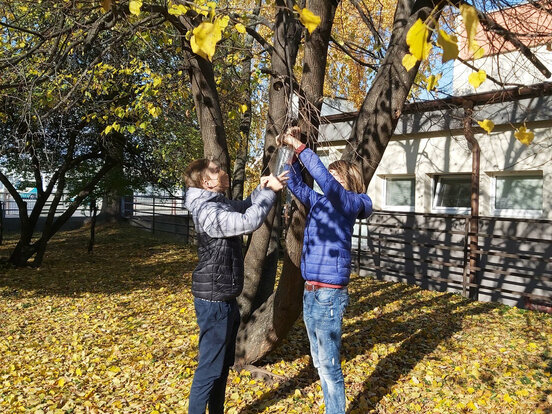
{"x":523,"y":135}
{"x":204,"y":39}
{"x":416,"y":38}
{"x":61,"y":382}
{"x":409,"y":61}
{"x":106,"y":5}
{"x":310,"y":20}
{"x":477,"y":78}
{"x":243,"y":108}
{"x":297,"y":393}
{"x":432,"y":82}
{"x":177,"y":9}
{"x":449,"y":44}
{"x":240,"y":28}
{"x":78,"y":371}
{"x":479,"y":51}
{"x":222,"y":22}
{"x":134,"y":6}
{"x":471,"y":22}
{"x":487,"y":125}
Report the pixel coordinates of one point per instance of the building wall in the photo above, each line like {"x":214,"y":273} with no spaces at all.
{"x":510,"y":68}
{"x":425,"y":157}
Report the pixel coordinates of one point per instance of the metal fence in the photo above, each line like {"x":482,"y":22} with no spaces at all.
{"x":11,"y":210}
{"x":514,"y":263}
{"x":159,"y":214}
{"x":429,"y":250}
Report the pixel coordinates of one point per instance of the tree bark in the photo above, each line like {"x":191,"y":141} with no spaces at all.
{"x":209,"y":113}
{"x":271,"y":322}
{"x":114,"y":180}
{"x":259,"y":275}
{"x":383,"y":104}
{"x":238,"y":176}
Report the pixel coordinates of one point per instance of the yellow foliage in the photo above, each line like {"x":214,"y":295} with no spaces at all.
{"x":206,"y":36}
{"x":310,"y":20}
{"x":432,"y":81}
{"x":471,"y":22}
{"x":524,"y":135}
{"x":487,"y":125}
{"x":409,"y":61}
{"x":449,"y":44}
{"x":134,"y":6}
{"x":416,"y":39}
{"x":177,"y":9}
{"x":136,"y":353}
{"x":240,"y":28}
{"x":477,"y":78}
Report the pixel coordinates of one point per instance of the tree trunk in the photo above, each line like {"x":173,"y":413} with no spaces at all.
{"x":114,"y":180}
{"x":209,"y":113}
{"x":271,"y":322}
{"x":238,"y":176}
{"x":258,"y":276}
{"x":94,"y":211}
{"x":383,"y":104}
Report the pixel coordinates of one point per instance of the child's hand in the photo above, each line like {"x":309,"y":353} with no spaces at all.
{"x":290,"y":137}
{"x":275,"y":183}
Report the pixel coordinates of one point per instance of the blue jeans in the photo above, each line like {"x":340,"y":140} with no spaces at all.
{"x":323,"y":314}
{"x":218,"y":327}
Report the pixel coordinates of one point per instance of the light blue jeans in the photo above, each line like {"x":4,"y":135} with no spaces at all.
{"x":323,"y":315}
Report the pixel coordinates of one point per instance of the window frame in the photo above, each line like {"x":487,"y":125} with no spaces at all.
{"x":515,"y":212}
{"x":436,"y":186}
{"x":390,"y":207}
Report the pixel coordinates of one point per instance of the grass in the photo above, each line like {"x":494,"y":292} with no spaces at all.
{"x":114,"y":332}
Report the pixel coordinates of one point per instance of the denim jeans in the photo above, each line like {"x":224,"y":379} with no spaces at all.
{"x":218,"y":327}
{"x":323,"y":314}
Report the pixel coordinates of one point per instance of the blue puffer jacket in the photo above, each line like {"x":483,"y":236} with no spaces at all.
{"x":326,"y":255}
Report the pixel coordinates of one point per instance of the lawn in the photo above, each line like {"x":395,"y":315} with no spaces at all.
{"x":114,"y":332}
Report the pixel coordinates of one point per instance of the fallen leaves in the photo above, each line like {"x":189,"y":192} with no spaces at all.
{"x":115,"y":332}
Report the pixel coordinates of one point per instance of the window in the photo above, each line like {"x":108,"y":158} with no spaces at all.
{"x":452,"y":193}
{"x":399,"y":193}
{"x":519,"y":195}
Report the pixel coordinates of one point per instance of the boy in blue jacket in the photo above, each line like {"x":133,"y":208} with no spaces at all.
{"x":326,"y":257}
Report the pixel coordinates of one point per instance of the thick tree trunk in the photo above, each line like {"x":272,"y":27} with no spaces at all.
{"x":259,"y":274}
{"x":271,"y":322}
{"x":209,"y":114}
{"x":383,"y":104}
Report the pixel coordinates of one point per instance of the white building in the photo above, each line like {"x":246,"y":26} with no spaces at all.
{"x":427,"y":165}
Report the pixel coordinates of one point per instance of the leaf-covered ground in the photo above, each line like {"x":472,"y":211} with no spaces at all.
{"x":114,"y":332}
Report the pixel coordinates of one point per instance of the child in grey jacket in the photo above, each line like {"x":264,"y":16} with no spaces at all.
{"x":218,"y":278}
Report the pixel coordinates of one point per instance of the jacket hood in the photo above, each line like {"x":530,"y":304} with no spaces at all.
{"x":366,"y":211}
{"x":197,"y":196}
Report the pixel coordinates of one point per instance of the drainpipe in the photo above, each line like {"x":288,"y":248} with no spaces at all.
{"x":474,"y":200}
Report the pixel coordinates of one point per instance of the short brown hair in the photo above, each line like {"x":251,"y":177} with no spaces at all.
{"x":350,"y":174}
{"x":195,"y":172}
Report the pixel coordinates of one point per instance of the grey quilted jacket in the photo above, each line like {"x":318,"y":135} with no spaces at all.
{"x":219,"y":223}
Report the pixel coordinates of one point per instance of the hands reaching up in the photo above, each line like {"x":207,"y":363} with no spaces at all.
{"x":290,"y":138}
{"x":275,"y":183}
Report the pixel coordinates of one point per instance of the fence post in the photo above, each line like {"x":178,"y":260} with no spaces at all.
{"x":153,"y":215}
{"x":1,"y":221}
{"x":466,"y":273}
